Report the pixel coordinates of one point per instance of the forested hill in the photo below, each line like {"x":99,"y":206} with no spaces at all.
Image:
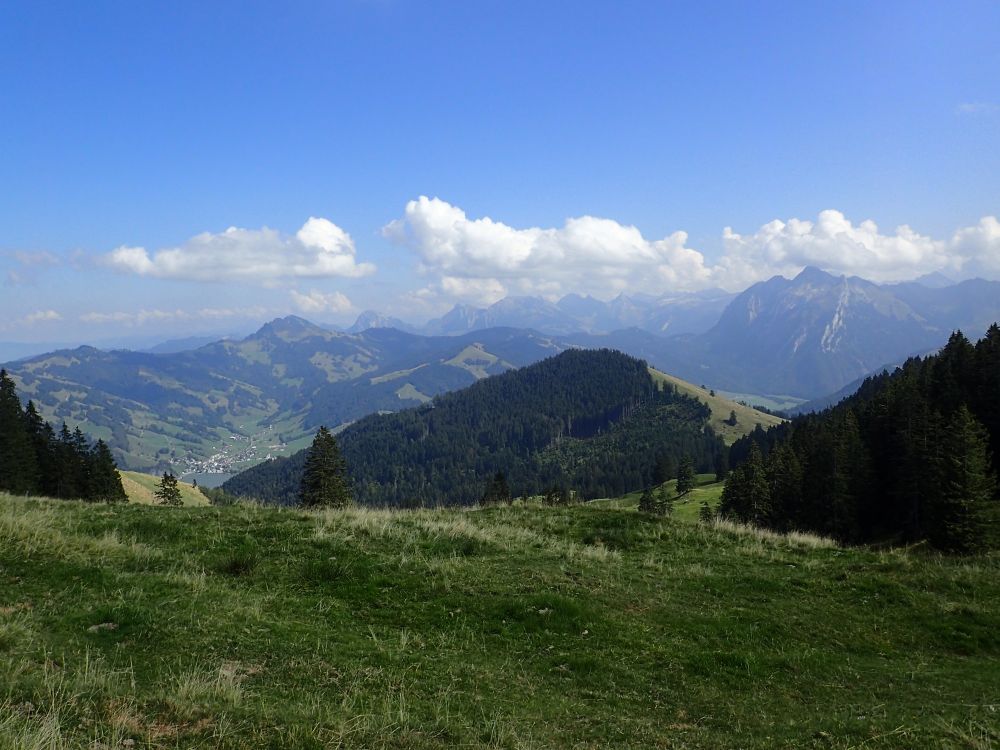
{"x":591,"y":421}
{"x":912,"y":456}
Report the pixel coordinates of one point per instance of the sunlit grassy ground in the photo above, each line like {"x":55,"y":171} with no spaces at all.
{"x":517,"y":627}
{"x":140,"y":488}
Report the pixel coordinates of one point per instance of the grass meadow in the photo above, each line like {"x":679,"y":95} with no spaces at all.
{"x":590,"y":626}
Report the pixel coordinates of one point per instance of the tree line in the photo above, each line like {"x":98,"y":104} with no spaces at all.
{"x":912,"y":456}
{"x":37,"y":460}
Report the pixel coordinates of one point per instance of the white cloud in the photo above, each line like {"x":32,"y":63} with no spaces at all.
{"x":317,"y":302}
{"x":141,"y":317}
{"x":977,"y":108}
{"x":833,"y":243}
{"x":482,"y":260}
{"x":979,"y":247}
{"x":320,"y":249}
{"x":41,"y":316}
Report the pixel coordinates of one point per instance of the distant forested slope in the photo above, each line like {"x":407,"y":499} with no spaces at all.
{"x":912,"y":456}
{"x":592,"y":421}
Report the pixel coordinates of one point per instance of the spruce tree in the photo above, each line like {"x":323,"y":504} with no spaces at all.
{"x":746,"y":495}
{"x":986,"y":402}
{"x":646,"y":502}
{"x":965,"y":512}
{"x":685,"y":476}
{"x":497,"y":491}
{"x":324,"y":479}
{"x":705,"y":514}
{"x":168,"y":493}
{"x":105,"y":482}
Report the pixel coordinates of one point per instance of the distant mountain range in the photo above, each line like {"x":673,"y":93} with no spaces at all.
{"x":669,"y":315}
{"x":226,"y":405}
{"x":811,"y":335}
{"x":231,"y":403}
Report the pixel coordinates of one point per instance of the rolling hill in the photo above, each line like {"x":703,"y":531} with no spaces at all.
{"x":597,"y":422}
{"x":230,"y":404}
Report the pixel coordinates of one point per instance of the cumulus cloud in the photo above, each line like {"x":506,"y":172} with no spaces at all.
{"x":979,"y":247}
{"x":320,"y":249}
{"x":482,"y":260}
{"x":141,"y":317}
{"x":486,"y":259}
{"x":835,"y":244}
{"x":317,"y":302}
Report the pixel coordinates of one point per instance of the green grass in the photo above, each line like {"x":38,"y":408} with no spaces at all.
{"x":518,"y":627}
{"x":685,"y":508}
{"x":768,"y":401}
{"x":140,"y":488}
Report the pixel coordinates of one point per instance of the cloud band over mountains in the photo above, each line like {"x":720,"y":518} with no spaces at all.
{"x":482,"y":260}
{"x":485,"y":260}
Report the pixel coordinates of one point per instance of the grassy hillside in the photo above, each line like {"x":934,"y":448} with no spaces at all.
{"x":521,"y":627}
{"x":746,"y":417}
{"x":685,"y":508}
{"x":140,"y":489}
{"x":229,"y":405}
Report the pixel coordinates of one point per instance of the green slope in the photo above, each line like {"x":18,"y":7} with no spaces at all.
{"x":521,"y":627}
{"x":140,"y":488}
{"x":746,"y":417}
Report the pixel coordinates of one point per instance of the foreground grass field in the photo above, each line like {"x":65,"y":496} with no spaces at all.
{"x":521,"y":627}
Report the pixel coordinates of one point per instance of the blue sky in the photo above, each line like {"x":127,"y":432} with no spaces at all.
{"x":462,"y":151}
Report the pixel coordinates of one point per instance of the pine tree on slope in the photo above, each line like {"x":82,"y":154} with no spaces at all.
{"x":324,"y":479}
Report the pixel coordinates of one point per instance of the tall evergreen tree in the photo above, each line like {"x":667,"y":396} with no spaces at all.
{"x":168,"y":493}
{"x":324,"y":479}
{"x":497,"y":491}
{"x":746,"y":495}
{"x":986,"y":401}
{"x":685,"y":476}
{"x":965,"y":514}
{"x":105,"y":481}
{"x":784,"y":476}
{"x":647,"y":504}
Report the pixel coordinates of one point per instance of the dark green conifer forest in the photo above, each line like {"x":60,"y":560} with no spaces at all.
{"x":35,"y":460}
{"x":591,"y":422}
{"x":912,"y":456}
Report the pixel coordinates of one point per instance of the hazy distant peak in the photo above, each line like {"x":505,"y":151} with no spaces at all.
{"x":290,"y":327}
{"x":815,"y":275}
{"x":935,"y":280}
{"x":373,"y":319}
